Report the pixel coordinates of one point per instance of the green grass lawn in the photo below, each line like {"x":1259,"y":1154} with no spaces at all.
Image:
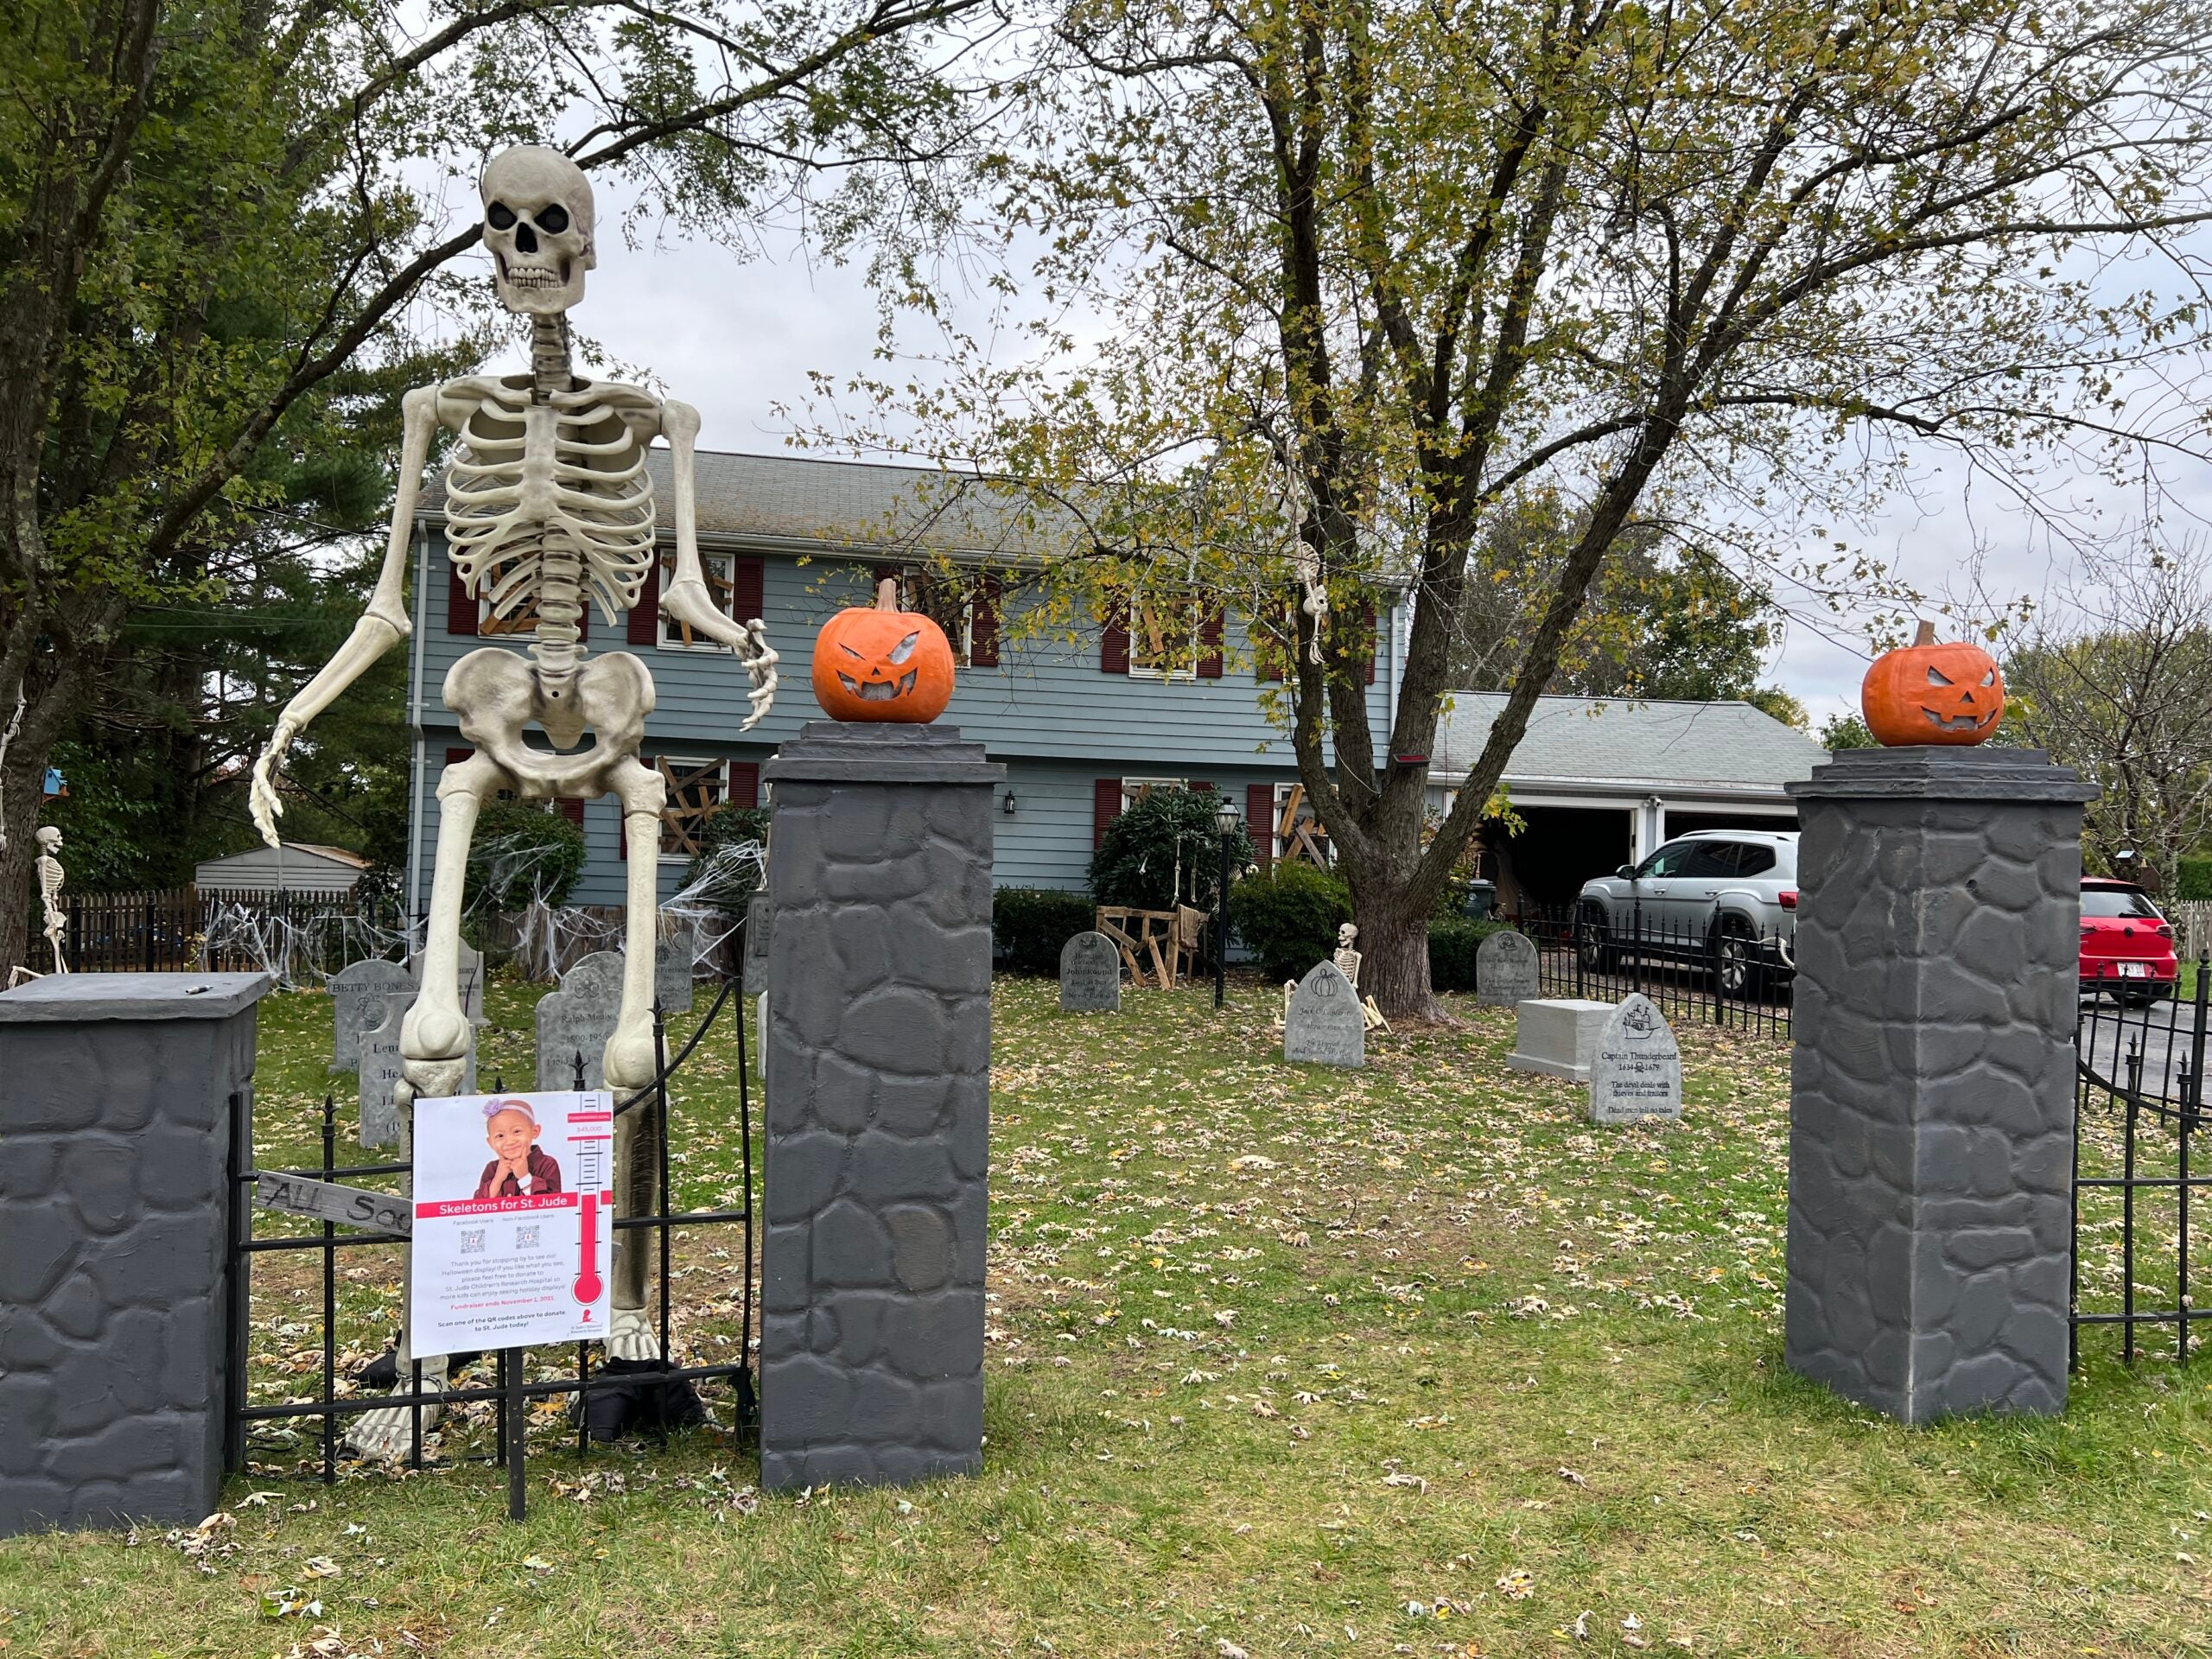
{"x":1280,"y":1361}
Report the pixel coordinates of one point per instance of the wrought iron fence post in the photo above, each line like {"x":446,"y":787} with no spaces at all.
{"x":1635,"y":946}
{"x":518,"y":1449}
{"x":329,"y":1297}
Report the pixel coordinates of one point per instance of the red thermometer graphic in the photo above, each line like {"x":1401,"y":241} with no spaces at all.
{"x":588,"y":1280}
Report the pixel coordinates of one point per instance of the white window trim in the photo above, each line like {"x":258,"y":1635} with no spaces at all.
{"x":1132,"y":788}
{"x":687,"y":763}
{"x":664,"y":627}
{"x":1190,"y":670}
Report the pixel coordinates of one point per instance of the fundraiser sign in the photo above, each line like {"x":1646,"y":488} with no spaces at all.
{"x":513,"y":1220}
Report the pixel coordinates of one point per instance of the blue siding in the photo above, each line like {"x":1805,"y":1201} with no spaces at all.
{"x":1048,"y":711}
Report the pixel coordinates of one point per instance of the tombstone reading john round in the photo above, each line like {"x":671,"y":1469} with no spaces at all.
{"x":356,"y":995}
{"x":1505,"y":969}
{"x":380,"y":1072}
{"x":578,"y":1019}
{"x":1636,"y":1071}
{"x":1324,"y":1024}
{"x":1091,"y":976}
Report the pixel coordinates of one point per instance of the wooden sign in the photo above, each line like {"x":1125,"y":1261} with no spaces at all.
{"x":350,"y":1206}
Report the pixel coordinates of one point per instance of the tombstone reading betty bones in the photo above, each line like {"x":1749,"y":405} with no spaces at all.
{"x":578,"y":1019}
{"x":1325,"y":1024}
{"x":1636,"y":1071}
{"x":1091,"y":976}
{"x":356,"y":995}
{"x":1505,"y":970}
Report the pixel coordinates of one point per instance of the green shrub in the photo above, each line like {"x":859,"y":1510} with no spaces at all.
{"x":2193,"y":878}
{"x":1289,"y":919}
{"x":728,"y":883}
{"x":1164,"y":851}
{"x":1451,"y":944}
{"x":1030,"y":924}
{"x":522,"y":851}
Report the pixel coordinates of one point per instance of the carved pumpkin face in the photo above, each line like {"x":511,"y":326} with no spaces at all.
{"x":883,"y":663}
{"x":1931,"y":693}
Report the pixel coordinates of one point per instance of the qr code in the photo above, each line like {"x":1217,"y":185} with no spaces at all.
{"x":472,"y":1241}
{"x":526,"y":1238}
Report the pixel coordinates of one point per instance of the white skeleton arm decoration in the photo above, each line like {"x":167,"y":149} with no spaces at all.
{"x":549,"y":506}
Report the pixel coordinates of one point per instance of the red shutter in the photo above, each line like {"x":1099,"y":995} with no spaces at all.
{"x":571,"y":807}
{"x":744,"y":785}
{"x":460,"y":604}
{"x":748,"y":598}
{"x":1114,"y":644}
{"x":644,"y":615}
{"x":984,"y":622}
{"x":1207,"y":788}
{"x":1210,"y":648}
{"x":1366,"y":615}
{"x":1260,"y":823}
{"x":454,"y":757}
{"x":1105,"y":806}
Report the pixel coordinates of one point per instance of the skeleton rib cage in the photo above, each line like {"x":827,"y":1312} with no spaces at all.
{"x":558,"y":527}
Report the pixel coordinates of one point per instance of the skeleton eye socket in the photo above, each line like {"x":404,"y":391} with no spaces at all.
{"x":500,"y":216}
{"x":1990,"y":678}
{"x":554,"y":219}
{"x":1934,"y":678}
{"x":905,"y":648}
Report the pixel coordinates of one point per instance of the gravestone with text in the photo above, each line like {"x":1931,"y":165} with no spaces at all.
{"x":1091,"y":976}
{"x":356,"y":995}
{"x":1324,"y":1025}
{"x":578,"y":1019}
{"x":672,"y":959}
{"x":1505,"y":970}
{"x":1636,"y":1072}
{"x":380,"y":1074}
{"x":758,"y":915}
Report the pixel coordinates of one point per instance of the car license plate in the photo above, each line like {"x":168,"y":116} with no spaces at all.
{"x":2133,"y":970}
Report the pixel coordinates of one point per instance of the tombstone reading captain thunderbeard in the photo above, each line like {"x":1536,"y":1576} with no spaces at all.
{"x":1636,"y":1071}
{"x":1091,"y":976}
{"x":1324,"y":1024}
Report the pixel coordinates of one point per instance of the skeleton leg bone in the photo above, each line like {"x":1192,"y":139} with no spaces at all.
{"x":631,"y":1062}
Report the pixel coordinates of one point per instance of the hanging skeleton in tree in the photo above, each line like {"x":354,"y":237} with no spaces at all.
{"x":549,"y":506}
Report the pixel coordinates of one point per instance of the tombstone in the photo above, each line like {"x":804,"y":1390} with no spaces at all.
{"x":758,"y":914}
{"x":579,"y":1018}
{"x":356,"y":995}
{"x":380,"y":1072}
{"x":129,"y":1105}
{"x":1325,"y":1024}
{"x":1091,"y":976}
{"x":672,"y":960}
{"x":1505,"y":970}
{"x":1636,"y":1072}
{"x":469,"y":974}
{"x":1557,"y":1036}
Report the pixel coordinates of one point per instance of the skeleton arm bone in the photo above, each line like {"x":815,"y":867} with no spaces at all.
{"x":686,"y":598}
{"x":382,"y":625}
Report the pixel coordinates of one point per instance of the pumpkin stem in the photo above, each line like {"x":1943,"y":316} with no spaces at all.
{"x":1925,"y":634}
{"x":887,"y":594}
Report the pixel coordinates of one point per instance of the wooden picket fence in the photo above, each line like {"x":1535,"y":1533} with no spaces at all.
{"x":2192,"y":919}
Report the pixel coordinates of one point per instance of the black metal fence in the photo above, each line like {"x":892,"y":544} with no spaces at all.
{"x":1728,"y":973}
{"x":256,"y":1232}
{"x":2137,"y":1161}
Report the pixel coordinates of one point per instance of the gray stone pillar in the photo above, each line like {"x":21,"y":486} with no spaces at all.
{"x":879,"y":1106}
{"x":1931,"y":1121}
{"x":125,"y":1094}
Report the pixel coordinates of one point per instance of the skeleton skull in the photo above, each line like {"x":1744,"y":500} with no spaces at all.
{"x":537,"y":222}
{"x":49,"y":839}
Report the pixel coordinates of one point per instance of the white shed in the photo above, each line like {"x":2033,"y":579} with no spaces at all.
{"x":298,"y":866}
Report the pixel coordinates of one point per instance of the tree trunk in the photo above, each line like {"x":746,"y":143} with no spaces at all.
{"x":21,"y":920}
{"x":1394,"y":941}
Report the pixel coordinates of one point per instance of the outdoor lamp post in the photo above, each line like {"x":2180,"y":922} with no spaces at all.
{"x":1225,"y":817}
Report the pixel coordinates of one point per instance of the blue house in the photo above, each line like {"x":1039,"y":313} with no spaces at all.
{"x":1086,"y":714}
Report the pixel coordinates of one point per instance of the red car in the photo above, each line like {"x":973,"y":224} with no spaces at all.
{"x":2127,"y":947}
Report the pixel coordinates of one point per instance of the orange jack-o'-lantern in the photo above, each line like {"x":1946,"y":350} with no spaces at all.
{"x":1927,"y":693}
{"x":884,"y":664}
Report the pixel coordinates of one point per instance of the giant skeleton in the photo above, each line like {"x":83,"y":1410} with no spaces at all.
{"x":548,"y":506}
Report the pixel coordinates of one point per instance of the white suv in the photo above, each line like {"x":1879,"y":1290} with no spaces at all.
{"x":1726,"y":897}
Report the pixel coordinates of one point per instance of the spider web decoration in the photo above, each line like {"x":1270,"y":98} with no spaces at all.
{"x":297,"y":952}
{"x":550,"y":937}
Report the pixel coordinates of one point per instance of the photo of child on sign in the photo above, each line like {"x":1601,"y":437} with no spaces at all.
{"x":519,"y":1168}
{"x":516,"y":1249}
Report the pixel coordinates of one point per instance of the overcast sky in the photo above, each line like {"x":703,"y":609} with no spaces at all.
{"x":738,"y":338}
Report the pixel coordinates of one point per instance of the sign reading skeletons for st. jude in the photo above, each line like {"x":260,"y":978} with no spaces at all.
{"x":549,"y":506}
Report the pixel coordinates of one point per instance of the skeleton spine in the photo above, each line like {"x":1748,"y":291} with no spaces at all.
{"x":560,"y":599}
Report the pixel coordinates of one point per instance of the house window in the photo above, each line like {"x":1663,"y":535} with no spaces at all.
{"x":1298,"y":836}
{"x":1135,"y":789}
{"x":721,"y":572}
{"x":697,"y":790}
{"x":1164,"y":630}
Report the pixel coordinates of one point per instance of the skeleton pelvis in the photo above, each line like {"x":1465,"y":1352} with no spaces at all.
{"x":497,"y":695}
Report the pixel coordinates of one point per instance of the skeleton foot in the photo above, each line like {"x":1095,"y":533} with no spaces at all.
{"x":630,"y":1335}
{"x":387,"y":1434}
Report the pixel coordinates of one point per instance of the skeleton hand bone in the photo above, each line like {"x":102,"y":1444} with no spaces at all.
{"x":268,"y":806}
{"x":686,"y":600}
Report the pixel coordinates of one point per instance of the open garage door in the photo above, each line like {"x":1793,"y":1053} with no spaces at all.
{"x":1545,"y":866}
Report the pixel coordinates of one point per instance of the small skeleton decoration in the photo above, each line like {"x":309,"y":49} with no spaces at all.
{"x":1348,"y":961}
{"x":49,"y":892}
{"x":548,"y":506}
